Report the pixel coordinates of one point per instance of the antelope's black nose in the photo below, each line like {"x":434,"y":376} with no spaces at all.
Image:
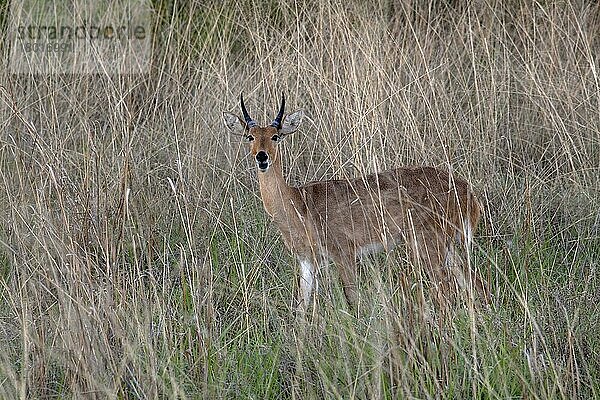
{"x":262,"y":157}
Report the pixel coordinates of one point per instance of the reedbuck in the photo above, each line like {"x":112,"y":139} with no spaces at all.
{"x":430,"y":210}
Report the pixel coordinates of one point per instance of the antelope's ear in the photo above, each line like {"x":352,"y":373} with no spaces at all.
{"x":291,"y":122}
{"x":234,"y":124}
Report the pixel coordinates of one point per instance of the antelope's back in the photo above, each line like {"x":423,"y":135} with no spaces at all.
{"x":378,"y":206}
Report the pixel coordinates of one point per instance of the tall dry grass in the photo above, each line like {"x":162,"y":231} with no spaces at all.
{"x":136,"y":260}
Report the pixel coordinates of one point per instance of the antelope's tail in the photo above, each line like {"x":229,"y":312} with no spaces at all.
{"x":471,"y":216}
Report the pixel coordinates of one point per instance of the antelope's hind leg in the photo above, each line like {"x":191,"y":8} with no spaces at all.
{"x":466,"y":274}
{"x":428,"y":250}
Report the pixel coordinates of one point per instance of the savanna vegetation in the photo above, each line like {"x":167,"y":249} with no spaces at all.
{"x":136,"y":260}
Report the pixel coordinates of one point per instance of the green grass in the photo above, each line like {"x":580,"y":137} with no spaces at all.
{"x":136,"y":260}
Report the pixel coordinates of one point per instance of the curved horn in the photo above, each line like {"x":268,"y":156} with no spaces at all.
{"x":277,"y":121}
{"x":249,"y":121}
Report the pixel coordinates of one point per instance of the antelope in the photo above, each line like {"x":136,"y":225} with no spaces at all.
{"x":342,"y":220}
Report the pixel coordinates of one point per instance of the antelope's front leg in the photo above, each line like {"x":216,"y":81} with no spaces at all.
{"x":307,"y":281}
{"x":346,"y":266}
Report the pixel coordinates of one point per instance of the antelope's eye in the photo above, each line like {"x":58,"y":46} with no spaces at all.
{"x":275,"y":138}
{"x":249,"y":138}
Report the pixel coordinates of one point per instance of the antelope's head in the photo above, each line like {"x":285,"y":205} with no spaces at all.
{"x":263,"y":140}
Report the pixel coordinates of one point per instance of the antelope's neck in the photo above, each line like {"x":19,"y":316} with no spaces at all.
{"x":281,"y":201}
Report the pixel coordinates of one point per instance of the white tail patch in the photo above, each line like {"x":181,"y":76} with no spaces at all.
{"x":468,"y":234}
